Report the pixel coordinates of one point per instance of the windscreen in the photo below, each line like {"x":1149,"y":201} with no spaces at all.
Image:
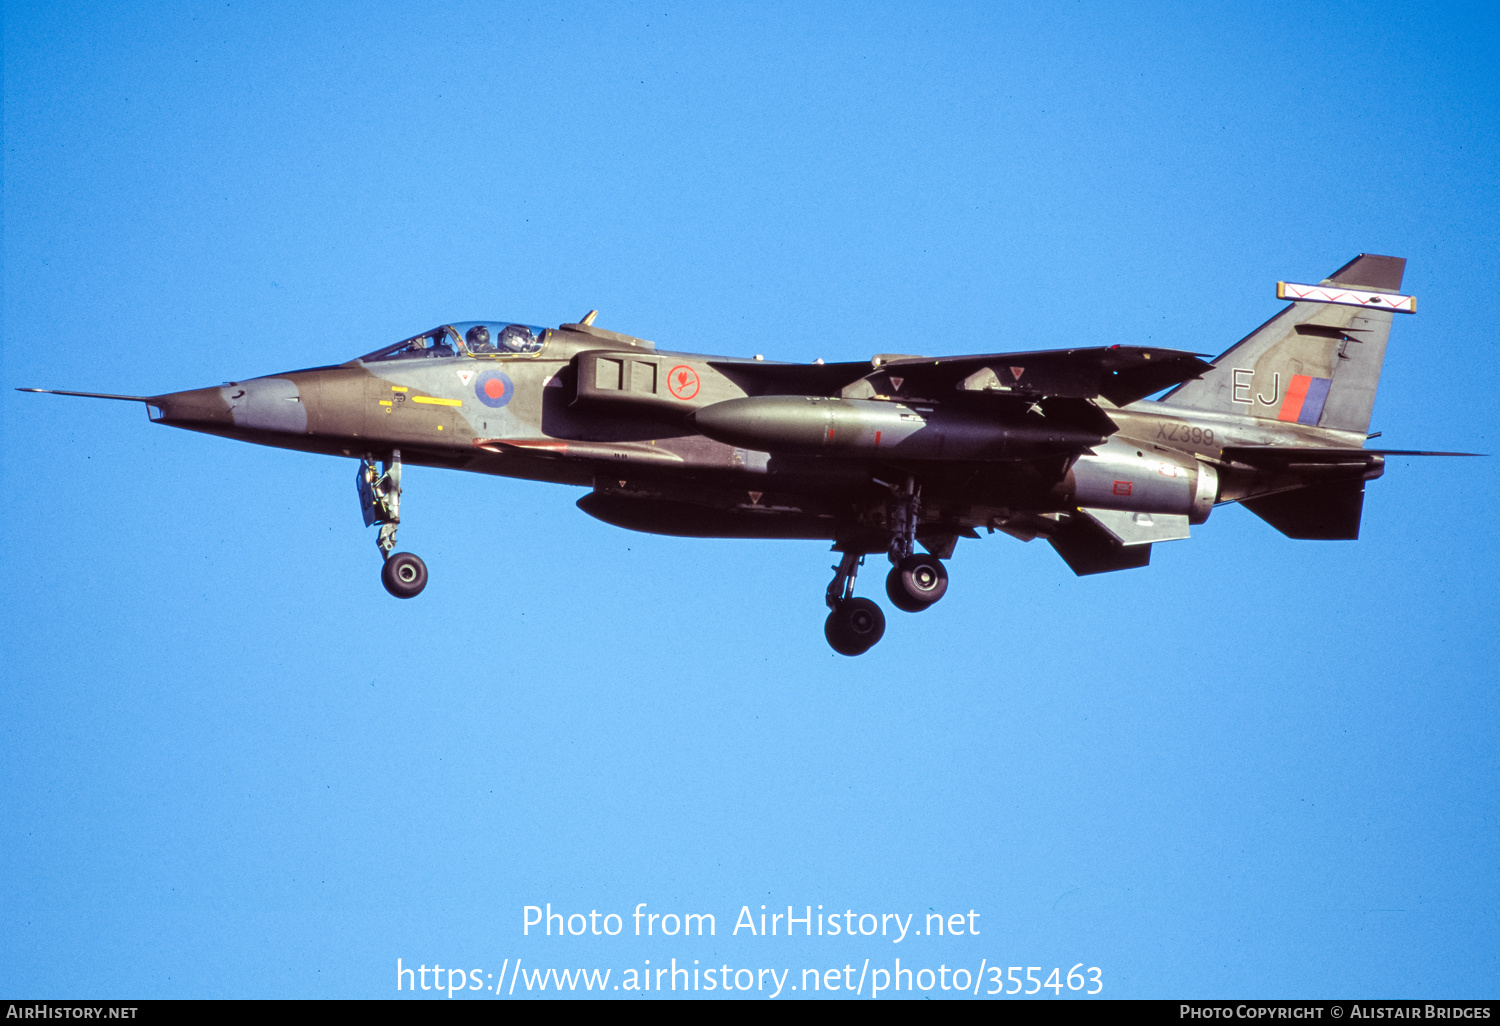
{"x":431,"y":344}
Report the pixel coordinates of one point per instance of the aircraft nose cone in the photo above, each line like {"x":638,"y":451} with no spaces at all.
{"x":267,"y":404}
{"x":195,"y":408}
{"x":258,"y":405}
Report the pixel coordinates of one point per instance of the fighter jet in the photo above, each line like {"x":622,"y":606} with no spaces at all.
{"x":901,"y":454}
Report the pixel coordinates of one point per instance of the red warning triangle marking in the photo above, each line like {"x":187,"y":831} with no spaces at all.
{"x":755,"y":498}
{"x":465,"y":375}
{"x":896,"y":382}
{"x":1016,"y":372}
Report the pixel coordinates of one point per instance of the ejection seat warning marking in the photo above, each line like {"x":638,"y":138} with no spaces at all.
{"x":1122,"y":487}
{"x":682,"y":381}
{"x":465,"y":376}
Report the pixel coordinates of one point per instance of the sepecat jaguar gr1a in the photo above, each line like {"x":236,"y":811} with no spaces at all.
{"x":900,"y":454}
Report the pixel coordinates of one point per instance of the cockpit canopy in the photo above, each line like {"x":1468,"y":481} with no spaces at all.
{"x":469,"y":338}
{"x":490,"y":337}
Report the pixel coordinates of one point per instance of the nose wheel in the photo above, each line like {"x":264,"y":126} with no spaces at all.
{"x":404,"y":575}
{"x":854,"y":625}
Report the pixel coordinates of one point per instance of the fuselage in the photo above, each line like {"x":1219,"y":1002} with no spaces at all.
{"x":597,"y":409}
{"x":899,"y":454}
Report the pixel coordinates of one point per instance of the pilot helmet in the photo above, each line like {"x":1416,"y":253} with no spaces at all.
{"x":477,"y":338}
{"x":516,"y":337}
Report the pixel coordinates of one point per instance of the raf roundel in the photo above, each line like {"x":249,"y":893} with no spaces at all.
{"x":494,"y":388}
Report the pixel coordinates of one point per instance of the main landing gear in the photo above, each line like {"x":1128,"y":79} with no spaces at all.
{"x":404,"y":575}
{"x":916,"y":581}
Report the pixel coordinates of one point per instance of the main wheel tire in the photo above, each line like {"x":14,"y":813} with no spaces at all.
{"x":896,"y":592}
{"x":404,"y":575}
{"x":917,"y":582}
{"x":854,"y":626}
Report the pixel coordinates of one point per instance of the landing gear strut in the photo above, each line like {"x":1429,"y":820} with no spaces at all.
{"x":916,"y":580}
{"x":854,"y":625}
{"x":404,"y":575}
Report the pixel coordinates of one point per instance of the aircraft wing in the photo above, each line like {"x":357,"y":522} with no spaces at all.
{"x":759,"y":377}
{"x":1122,"y":374}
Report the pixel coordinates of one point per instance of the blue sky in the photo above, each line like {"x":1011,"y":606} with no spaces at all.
{"x":233,"y":766}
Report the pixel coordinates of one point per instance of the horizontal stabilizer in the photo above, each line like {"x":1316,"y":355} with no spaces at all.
{"x":1303,"y":459}
{"x":1419,"y":452}
{"x":1326,"y":511}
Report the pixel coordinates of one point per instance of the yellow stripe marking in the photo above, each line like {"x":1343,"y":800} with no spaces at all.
{"x":385,"y":402}
{"x":433,"y":401}
{"x":398,"y":388}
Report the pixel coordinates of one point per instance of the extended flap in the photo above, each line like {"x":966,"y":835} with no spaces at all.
{"x":1088,"y":548}
{"x":1139,"y":528}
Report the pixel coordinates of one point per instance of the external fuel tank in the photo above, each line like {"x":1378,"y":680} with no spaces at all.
{"x":863,"y":428}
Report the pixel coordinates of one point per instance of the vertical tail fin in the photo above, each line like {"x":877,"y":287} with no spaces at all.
{"x":1318,"y":361}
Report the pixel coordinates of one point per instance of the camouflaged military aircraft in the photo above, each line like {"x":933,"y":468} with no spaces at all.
{"x":883,"y":455}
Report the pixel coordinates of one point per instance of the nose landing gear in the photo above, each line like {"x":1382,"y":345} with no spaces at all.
{"x":404,"y":575}
{"x":854,"y":625}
